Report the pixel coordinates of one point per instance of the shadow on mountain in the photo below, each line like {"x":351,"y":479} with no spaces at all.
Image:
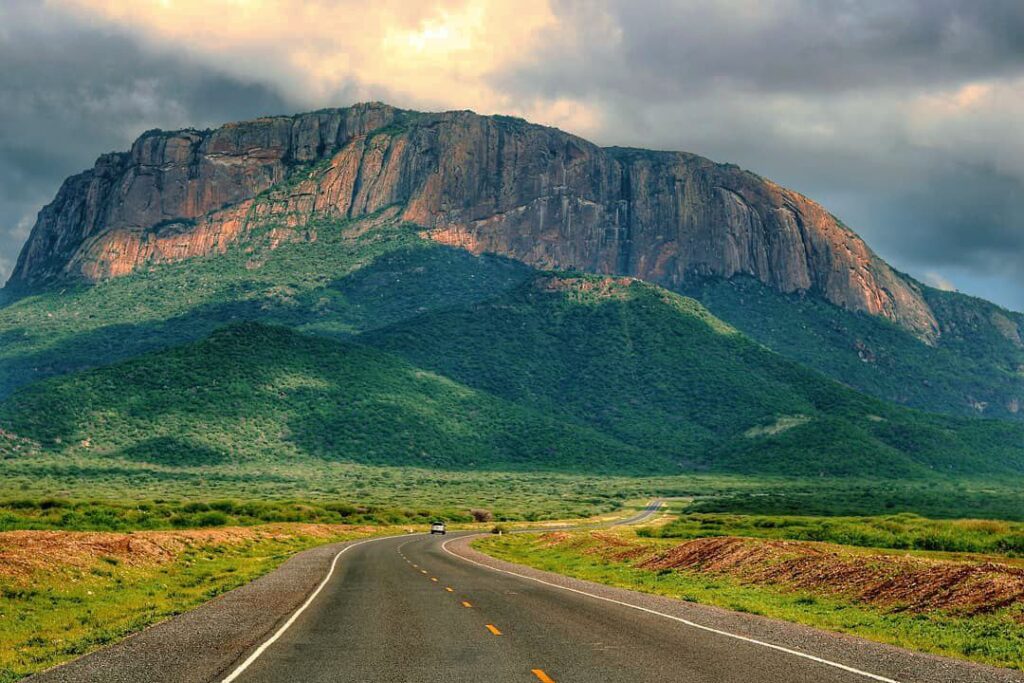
{"x":393,"y":287}
{"x":174,"y":452}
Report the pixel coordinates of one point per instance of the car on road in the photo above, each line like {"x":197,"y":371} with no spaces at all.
{"x":438,"y":528}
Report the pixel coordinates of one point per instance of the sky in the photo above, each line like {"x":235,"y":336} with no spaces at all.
{"x":902,"y":117}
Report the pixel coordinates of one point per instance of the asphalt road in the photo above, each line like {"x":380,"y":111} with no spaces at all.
{"x":430,"y":609}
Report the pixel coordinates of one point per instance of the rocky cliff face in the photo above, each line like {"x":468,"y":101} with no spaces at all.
{"x":491,"y":184}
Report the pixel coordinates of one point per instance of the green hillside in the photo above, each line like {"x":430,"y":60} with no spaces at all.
{"x":254,"y":393}
{"x":561,"y":373}
{"x":357,"y":275}
{"x":976,"y":367}
{"x":657,"y":371}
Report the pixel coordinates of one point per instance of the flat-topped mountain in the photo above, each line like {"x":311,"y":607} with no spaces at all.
{"x":766,"y":259}
{"x":490,"y":184}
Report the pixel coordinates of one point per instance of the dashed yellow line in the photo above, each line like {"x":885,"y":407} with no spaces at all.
{"x":541,"y":676}
{"x":449,"y":589}
{"x":423,"y":571}
{"x":434,"y":579}
{"x":493,"y":629}
{"x":466,"y":603}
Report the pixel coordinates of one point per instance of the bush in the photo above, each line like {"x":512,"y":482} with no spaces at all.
{"x":480,"y":515}
{"x":211,"y":519}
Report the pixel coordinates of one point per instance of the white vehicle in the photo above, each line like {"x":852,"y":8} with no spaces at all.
{"x":438,"y":528}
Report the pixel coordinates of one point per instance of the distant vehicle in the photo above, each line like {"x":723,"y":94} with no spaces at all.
{"x":438,"y":528}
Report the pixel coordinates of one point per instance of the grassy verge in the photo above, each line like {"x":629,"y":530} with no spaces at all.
{"x":90,"y":598}
{"x":305,"y":489}
{"x":995,"y":637}
{"x":904,"y":531}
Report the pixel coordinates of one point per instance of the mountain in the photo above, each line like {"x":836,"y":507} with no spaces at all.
{"x":556,"y":373}
{"x":499,"y":185}
{"x":485,"y":183}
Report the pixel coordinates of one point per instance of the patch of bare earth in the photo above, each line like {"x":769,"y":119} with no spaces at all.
{"x":23,"y":553}
{"x":893,"y":581}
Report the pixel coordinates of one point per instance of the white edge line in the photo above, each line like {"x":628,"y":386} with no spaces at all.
{"x":295,"y":615}
{"x":796,"y":653}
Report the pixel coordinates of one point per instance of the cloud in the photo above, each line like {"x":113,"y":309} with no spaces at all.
{"x":428,"y":55}
{"x":901,"y":117}
{"x":938,"y":281}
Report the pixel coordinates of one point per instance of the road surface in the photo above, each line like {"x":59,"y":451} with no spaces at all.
{"x":430,"y":609}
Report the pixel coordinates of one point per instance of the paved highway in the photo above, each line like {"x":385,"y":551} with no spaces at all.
{"x":430,"y":609}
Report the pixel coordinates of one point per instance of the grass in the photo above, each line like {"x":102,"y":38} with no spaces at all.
{"x":110,"y":515}
{"x":56,"y":616}
{"x":900,"y":532}
{"x":996,"y":639}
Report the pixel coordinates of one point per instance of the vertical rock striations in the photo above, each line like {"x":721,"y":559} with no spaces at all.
{"x":493,"y":184}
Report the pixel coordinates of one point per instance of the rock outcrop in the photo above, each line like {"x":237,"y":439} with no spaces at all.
{"x":488,"y":184}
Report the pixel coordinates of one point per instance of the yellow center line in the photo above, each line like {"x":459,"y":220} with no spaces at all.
{"x":433,"y":578}
{"x":423,"y":571}
{"x":541,"y":676}
{"x":465,"y":603}
{"x":493,"y":629}
{"x":449,"y":589}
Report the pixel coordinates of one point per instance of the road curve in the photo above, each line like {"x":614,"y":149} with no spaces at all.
{"x":429,"y":609}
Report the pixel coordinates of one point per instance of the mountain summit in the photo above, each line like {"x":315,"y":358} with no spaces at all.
{"x":486,"y":183}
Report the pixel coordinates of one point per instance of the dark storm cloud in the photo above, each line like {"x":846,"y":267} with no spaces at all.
{"x":662,"y":50}
{"x":960,"y":205}
{"x":831,"y":98}
{"x":69,"y":92}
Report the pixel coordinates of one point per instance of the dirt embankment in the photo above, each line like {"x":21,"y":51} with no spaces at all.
{"x":894,"y":581}
{"x":23,"y":553}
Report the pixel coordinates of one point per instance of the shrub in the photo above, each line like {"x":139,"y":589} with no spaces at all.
{"x":480,"y":515}
{"x":211,"y":519}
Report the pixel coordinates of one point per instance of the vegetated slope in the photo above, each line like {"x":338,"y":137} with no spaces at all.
{"x":355,"y":275}
{"x":975,"y":367}
{"x":567,"y":373}
{"x":501,"y":185}
{"x":258,"y":393}
{"x":657,"y":371}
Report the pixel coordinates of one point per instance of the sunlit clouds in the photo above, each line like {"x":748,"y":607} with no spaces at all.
{"x":426,"y":55}
{"x":901,"y":117}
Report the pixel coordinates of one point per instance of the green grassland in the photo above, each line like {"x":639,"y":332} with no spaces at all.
{"x":899,"y":532}
{"x":993,"y":638}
